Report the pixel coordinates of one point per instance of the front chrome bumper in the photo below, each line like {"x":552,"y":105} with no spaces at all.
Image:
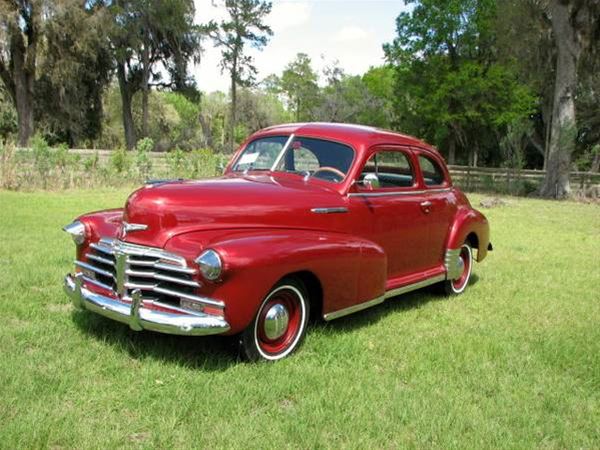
{"x":140,"y":318}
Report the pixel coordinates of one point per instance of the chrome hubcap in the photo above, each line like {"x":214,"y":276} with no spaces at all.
{"x":461,"y":266}
{"x":276,"y":321}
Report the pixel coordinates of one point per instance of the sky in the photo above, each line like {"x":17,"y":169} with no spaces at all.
{"x":348,"y":31}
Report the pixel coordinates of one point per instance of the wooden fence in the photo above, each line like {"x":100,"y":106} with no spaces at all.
{"x":508,"y":180}
{"x":517,"y":181}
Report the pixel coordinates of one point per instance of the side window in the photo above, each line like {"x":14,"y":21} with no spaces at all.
{"x":392,"y":168}
{"x":432,"y":172}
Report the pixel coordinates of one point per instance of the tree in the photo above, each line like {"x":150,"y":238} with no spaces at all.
{"x":449,"y":86}
{"x":299,"y":84}
{"x":245,"y":26}
{"x":53,"y":65}
{"x":74,"y":72}
{"x":20,"y":32}
{"x":346,"y":98}
{"x":148,"y":35}
{"x":575,"y":28}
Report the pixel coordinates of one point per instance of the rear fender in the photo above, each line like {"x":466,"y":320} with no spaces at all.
{"x":469,"y":221}
{"x":349,"y":269}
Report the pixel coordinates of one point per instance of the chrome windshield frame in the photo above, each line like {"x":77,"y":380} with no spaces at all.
{"x":282,"y":152}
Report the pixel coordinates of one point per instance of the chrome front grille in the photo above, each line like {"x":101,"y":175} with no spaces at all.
{"x":160,"y":276}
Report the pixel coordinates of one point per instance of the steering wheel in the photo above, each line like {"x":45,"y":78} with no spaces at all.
{"x":336,"y":172}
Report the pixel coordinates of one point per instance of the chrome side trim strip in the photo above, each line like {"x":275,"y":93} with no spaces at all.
{"x":391,"y":293}
{"x":386,"y":194}
{"x":415,"y":286}
{"x":330,"y":210}
{"x":353,"y":308}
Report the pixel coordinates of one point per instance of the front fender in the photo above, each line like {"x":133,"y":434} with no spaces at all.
{"x":469,"y":221}
{"x":99,"y":224}
{"x":349,"y":269}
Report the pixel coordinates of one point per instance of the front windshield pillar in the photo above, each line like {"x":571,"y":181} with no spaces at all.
{"x":282,"y":152}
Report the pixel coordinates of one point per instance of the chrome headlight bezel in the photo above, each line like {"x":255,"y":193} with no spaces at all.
{"x":77,"y":231}
{"x":211,"y":264}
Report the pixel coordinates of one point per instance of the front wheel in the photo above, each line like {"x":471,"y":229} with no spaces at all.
{"x":279,"y":325}
{"x":459,"y":284}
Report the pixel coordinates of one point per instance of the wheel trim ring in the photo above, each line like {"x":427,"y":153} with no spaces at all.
{"x":293,"y":300}
{"x":459,"y":284}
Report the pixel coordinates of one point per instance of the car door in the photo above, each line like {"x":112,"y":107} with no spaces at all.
{"x":397,"y":221}
{"x":440,"y":205}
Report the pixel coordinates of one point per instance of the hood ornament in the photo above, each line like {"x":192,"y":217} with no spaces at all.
{"x":129,"y":227}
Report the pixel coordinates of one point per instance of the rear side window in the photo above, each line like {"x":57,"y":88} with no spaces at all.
{"x":432,"y":172}
{"x":392,"y":168}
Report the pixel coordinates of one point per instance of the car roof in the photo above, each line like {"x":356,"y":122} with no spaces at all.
{"x":359,"y":136}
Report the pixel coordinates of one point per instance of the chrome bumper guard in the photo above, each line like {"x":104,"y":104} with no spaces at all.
{"x":140,"y":318}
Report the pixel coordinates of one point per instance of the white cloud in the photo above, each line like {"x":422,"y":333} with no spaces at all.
{"x":325,"y":30}
{"x":350,"y":33}
{"x":289,"y":15}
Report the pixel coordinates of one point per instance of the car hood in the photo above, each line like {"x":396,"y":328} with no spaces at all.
{"x":229,"y":202}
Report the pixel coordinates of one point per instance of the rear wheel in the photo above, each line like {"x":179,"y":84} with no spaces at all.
{"x":459,"y":284}
{"x":279,"y":325}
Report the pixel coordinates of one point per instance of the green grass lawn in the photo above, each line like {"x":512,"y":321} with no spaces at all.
{"x":512,"y":363}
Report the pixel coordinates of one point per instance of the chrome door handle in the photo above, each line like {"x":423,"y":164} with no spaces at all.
{"x":425,"y":206}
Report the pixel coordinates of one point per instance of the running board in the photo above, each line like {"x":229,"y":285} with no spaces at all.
{"x":381,"y":299}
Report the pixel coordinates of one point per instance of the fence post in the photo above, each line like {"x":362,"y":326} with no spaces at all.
{"x":468,"y":178}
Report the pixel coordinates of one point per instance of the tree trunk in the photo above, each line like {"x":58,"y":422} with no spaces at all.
{"x":24,"y":106}
{"x":206,"y":131}
{"x":128,"y":125}
{"x":232,"y":113}
{"x":563,"y":132}
{"x":23,"y":60}
{"x":145,"y":88}
{"x":596,"y":163}
{"x":452,"y":150}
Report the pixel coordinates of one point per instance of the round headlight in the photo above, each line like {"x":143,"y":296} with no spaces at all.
{"x":77,"y":231}
{"x":210,"y":264}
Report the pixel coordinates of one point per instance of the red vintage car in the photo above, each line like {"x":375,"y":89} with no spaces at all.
{"x":308,"y":220}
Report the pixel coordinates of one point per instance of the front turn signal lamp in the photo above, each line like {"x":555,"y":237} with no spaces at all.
{"x":210,"y":264}
{"x":77,"y":231}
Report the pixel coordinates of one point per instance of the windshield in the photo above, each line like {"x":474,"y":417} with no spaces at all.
{"x":311,"y":157}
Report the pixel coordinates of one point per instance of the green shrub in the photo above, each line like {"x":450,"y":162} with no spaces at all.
{"x":176,"y":162}
{"x":143,"y":162}
{"x":91,"y":164}
{"x":42,"y":157}
{"x":202,"y":164}
{"x":120,"y":161}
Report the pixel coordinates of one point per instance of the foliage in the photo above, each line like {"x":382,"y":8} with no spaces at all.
{"x":120,"y":161}
{"x":8,"y":116}
{"x":147,"y":36}
{"x":449,"y":87}
{"x":298,"y":83}
{"x":245,"y":26}
{"x":347,"y":98}
{"x":143,"y":163}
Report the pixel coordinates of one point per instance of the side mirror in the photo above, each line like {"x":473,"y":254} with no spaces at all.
{"x":371,"y":181}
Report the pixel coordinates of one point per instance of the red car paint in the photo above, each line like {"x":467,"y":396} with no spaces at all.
{"x":263,"y":226}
